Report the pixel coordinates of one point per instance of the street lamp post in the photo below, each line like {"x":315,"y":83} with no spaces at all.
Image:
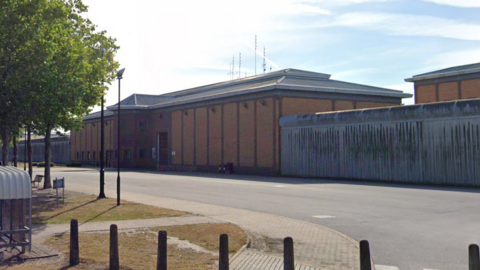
{"x":102,"y":145}
{"x":119,"y":77}
{"x":25,"y":150}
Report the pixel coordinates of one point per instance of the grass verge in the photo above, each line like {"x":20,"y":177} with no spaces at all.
{"x":89,"y":208}
{"x":189,"y":247}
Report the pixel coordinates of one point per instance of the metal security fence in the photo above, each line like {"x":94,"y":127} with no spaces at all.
{"x":424,"y":144}
{"x":60,"y":150}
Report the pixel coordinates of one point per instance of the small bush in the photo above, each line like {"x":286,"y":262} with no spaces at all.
{"x":42,"y":164}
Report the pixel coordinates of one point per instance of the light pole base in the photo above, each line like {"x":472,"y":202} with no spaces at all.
{"x":102,"y":185}
{"x":118,"y":190}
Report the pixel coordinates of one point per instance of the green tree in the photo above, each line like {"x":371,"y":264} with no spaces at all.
{"x":19,"y":20}
{"x":70,"y":80}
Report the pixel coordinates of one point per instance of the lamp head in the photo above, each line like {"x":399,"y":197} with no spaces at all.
{"x":120,"y":73}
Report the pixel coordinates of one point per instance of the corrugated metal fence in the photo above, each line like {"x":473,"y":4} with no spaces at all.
{"x":425,"y":144}
{"x":60,"y":150}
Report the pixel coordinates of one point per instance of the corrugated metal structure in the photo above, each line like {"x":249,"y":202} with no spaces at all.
{"x":437,"y":143}
{"x":15,"y":208}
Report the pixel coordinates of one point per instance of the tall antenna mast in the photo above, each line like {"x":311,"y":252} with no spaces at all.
{"x":255,"y":54}
{"x":264,"y":65}
{"x":233,"y":66}
{"x":229,"y":71}
{"x":239,"y":65}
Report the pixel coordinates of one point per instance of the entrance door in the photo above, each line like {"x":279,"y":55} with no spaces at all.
{"x":163,"y":148}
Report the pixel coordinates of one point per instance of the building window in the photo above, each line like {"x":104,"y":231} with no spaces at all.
{"x":88,"y":155}
{"x":142,"y":127}
{"x":142,"y":153}
{"x":127,"y":154}
{"x":83,"y":155}
{"x":94,"y":155}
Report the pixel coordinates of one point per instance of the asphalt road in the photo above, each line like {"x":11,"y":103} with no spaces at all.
{"x":411,"y":227}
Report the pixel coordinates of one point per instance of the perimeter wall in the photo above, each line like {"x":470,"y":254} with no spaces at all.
{"x":437,"y":143}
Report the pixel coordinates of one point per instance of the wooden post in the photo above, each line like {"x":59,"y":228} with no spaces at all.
{"x":162,"y":251}
{"x":223,"y":260}
{"x":74,"y":245}
{"x":288,"y":255}
{"x":365,"y":260}
{"x":473,"y":257}
{"x":114,"y":258}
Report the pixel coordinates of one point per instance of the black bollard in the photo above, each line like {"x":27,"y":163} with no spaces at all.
{"x":114,"y":258}
{"x":162,"y":251}
{"x":473,"y":257}
{"x":365,"y":261}
{"x":223,"y":260}
{"x":74,"y":245}
{"x":288,"y":255}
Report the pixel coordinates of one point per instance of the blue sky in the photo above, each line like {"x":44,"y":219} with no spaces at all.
{"x":173,"y":45}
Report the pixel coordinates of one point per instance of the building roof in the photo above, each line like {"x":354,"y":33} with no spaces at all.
{"x":286,"y":79}
{"x":95,"y":115}
{"x":446,"y":72}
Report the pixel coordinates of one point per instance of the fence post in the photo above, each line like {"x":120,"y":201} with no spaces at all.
{"x":74,"y":245}
{"x":473,"y":257}
{"x":365,"y":261}
{"x":288,"y":256}
{"x":114,"y":258}
{"x":162,"y":251}
{"x":223,"y":260}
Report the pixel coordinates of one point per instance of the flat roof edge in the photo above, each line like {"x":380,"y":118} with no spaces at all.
{"x":442,"y":75}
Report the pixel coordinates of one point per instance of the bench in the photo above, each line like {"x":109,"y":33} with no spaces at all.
{"x":38,"y":179}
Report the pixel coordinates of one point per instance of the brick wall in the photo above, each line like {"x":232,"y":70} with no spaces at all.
{"x":447,"y":91}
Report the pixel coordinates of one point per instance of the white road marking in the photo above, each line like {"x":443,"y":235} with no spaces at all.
{"x":388,"y":267}
{"x":280,"y":186}
{"x":385,"y":267}
{"x":324,"y":216}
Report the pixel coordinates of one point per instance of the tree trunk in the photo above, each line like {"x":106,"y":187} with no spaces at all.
{"x":15,"y":151}
{"x":29,"y":151}
{"x":47,"y":181}
{"x":5,"y":140}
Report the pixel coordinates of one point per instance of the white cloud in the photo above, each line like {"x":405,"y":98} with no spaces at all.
{"x":450,"y":59}
{"x":457,"y":3}
{"x":409,"y":25}
{"x":344,"y":2}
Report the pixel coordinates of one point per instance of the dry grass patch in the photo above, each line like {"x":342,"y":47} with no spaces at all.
{"x":89,"y":208}
{"x":138,"y":249}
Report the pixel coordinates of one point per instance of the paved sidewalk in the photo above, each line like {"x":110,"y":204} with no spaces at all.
{"x":316,"y":247}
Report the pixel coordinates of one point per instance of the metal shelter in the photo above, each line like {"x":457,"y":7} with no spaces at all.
{"x":15,"y":208}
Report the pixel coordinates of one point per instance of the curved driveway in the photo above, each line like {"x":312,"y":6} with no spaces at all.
{"x":411,"y":227}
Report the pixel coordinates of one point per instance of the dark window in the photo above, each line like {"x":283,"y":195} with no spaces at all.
{"x":142,"y":153}
{"x":83,"y":155}
{"x":88,"y":155}
{"x":127,"y":154}
{"x":142,"y":127}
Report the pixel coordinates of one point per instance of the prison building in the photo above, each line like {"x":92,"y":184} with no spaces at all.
{"x":454,"y":83}
{"x":234,"y":122}
{"x":59,"y":149}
